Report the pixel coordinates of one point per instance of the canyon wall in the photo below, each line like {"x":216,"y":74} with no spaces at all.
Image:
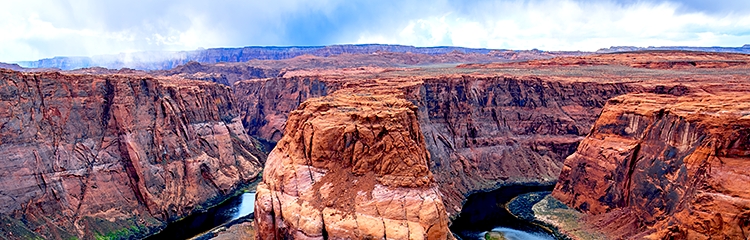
{"x":351,"y":165}
{"x":480,"y":131}
{"x":266,"y":103}
{"x":486,"y":131}
{"x":111,"y":155}
{"x":675,"y":165}
{"x":225,"y":74}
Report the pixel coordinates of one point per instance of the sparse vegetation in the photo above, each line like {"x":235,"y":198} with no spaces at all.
{"x":14,"y":229}
{"x":550,"y":211}
{"x":494,"y":236}
{"x":120,"y":229}
{"x":124,"y":233}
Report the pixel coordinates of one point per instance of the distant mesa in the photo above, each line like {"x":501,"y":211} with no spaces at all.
{"x":163,"y":60}
{"x":11,"y":66}
{"x":744,"y":49}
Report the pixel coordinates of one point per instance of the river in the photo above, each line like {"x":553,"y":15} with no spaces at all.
{"x":197,"y":223}
{"x":482,"y":213}
{"x":486,"y":212}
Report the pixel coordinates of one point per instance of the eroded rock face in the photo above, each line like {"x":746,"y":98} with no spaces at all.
{"x":86,"y":155}
{"x":266,"y":103}
{"x":479,"y":131}
{"x":351,"y":165}
{"x":486,"y":131}
{"x":223,"y":73}
{"x":676,"y":164}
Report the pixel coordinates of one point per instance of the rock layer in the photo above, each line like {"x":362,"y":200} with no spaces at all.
{"x":479,"y":131}
{"x":485,"y":131}
{"x":677,"y":165}
{"x":87,"y":155}
{"x":351,"y":165}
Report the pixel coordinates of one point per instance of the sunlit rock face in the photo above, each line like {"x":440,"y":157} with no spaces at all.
{"x":352,"y":165}
{"x":677,"y":165}
{"x":92,"y":155}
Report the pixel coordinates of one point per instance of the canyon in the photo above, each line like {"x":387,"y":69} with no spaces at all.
{"x":649,"y":143}
{"x":488,"y":125}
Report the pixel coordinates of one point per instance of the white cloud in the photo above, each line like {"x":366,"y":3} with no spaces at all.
{"x":32,"y":32}
{"x":33,"y":29}
{"x":570,"y":25}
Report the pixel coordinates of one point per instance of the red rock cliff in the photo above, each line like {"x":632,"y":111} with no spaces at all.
{"x":480,"y":131}
{"x":266,"y":103}
{"x":676,"y":165}
{"x":88,"y":155}
{"x":352,"y":165}
{"x":485,"y":131}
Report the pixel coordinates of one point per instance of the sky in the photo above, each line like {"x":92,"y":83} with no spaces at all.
{"x":35,"y":29}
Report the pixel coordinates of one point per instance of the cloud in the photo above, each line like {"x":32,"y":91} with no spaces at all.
{"x":570,"y":25}
{"x":36,"y":29}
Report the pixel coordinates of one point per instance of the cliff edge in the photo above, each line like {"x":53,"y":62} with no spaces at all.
{"x":665,"y":166}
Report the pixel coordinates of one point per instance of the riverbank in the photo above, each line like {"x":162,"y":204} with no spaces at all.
{"x":241,"y":228}
{"x":485,"y":214}
{"x":521,"y":207}
{"x":545,"y":210}
{"x":230,"y":211}
{"x":233,"y":210}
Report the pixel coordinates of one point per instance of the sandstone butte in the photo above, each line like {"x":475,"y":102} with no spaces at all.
{"x":351,"y":165}
{"x":87,"y":156}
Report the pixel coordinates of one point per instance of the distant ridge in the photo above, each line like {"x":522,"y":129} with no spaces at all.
{"x":14,"y":67}
{"x":164,"y":60}
{"x":160,"y":60}
{"x":744,"y":49}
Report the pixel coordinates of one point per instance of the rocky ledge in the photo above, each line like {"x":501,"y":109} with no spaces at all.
{"x":666,"y":167}
{"x":351,"y":165}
